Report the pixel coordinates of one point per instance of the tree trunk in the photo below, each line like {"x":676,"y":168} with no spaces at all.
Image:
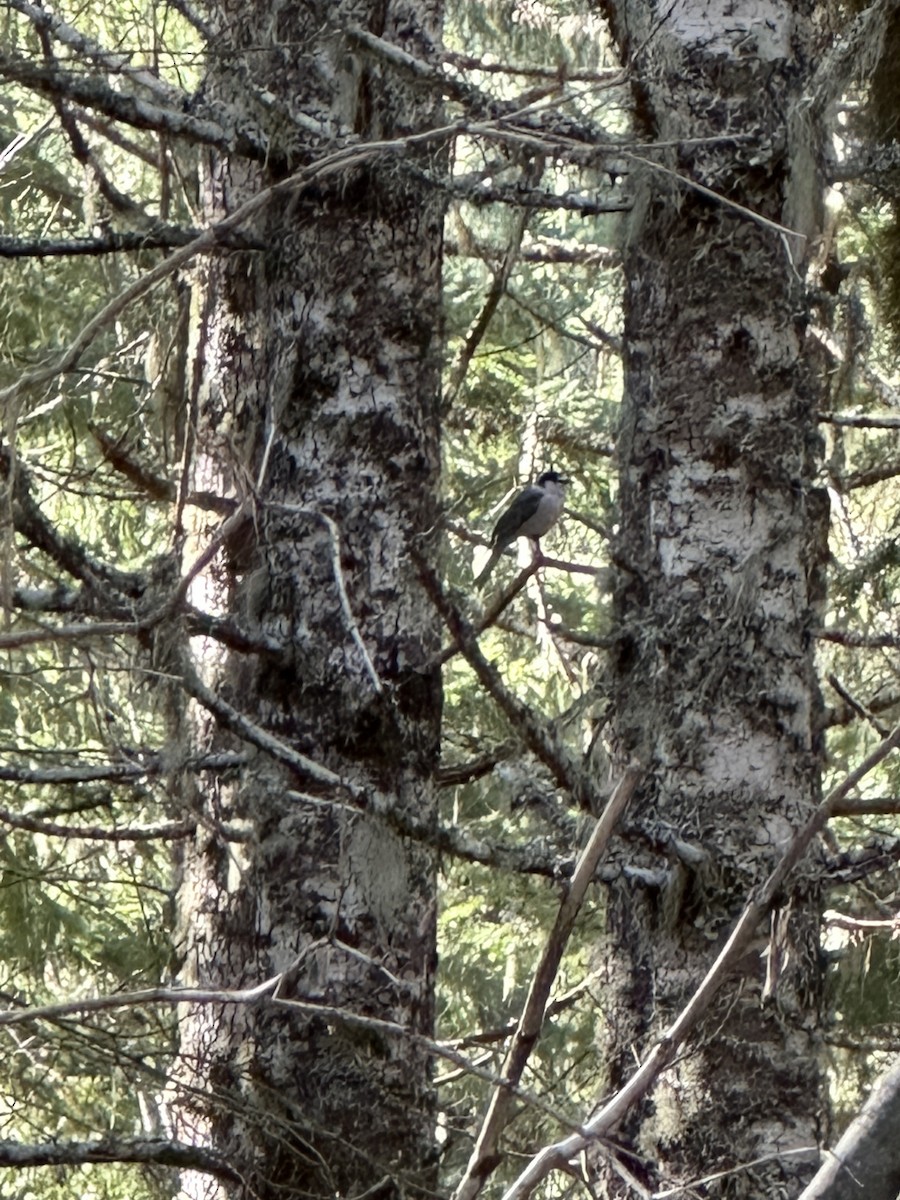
{"x":719,"y":556}
{"x":317,"y":370}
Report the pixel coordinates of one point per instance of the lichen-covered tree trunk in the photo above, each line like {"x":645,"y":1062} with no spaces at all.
{"x":719,"y":556}
{"x":317,"y":382}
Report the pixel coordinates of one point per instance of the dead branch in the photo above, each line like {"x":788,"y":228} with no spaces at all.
{"x":494,"y":295}
{"x":556,"y":1155}
{"x":484,"y":1155}
{"x":838,"y":920}
{"x":160,"y":1152}
{"x":85,"y":47}
{"x":140,"y":767}
{"x":860,"y":420}
{"x":95,"y":93}
{"x":537,"y":734}
{"x":157,"y":237}
{"x":265,"y":993}
{"x":865,"y":1161}
{"x":99,"y":833}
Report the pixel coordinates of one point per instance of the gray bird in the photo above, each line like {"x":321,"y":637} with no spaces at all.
{"x":532,"y":513}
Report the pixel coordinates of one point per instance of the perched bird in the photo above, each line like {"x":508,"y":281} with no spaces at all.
{"x":532,"y":513}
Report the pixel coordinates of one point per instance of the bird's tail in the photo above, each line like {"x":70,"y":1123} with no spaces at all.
{"x":482,"y":577}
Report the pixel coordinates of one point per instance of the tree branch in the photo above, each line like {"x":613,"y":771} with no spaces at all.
{"x":123,"y":1150}
{"x":865,"y":1160}
{"x":96,"y":94}
{"x":148,"y":765}
{"x":158,"y":237}
{"x":558,"y":1154}
{"x":210,"y":239}
{"x":85,"y":47}
{"x":495,"y":293}
{"x":484,"y":1157}
{"x":144,"y":833}
{"x":536,"y":733}
{"x":266,"y":993}
{"x":860,"y":420}
{"x":838,"y":920}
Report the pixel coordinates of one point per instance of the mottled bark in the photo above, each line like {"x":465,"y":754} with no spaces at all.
{"x":317,"y":396}
{"x":719,"y":558}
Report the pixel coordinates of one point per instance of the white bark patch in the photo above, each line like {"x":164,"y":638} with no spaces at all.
{"x":738,"y":756}
{"x":378,"y":874}
{"x":777,"y":831}
{"x":761,"y":28}
{"x":703,"y":512}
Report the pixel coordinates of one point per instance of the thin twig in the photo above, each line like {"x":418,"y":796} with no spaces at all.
{"x":151,"y":764}
{"x":268,"y":993}
{"x":338,"y":572}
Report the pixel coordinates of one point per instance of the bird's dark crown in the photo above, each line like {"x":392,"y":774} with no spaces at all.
{"x":551,"y":477}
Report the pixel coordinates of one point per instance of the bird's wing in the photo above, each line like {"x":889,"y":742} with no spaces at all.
{"x":521,"y":510}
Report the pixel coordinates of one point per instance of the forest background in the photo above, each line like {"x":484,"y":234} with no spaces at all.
{"x":293,"y":299}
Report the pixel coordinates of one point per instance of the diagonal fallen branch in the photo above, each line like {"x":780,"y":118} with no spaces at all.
{"x":559,"y":1154}
{"x":484,"y":1155}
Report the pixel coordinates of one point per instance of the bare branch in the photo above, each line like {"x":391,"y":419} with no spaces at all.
{"x":860,"y":420}
{"x":338,"y":573}
{"x":466,"y":62}
{"x":867,"y":806}
{"x":867,"y":641}
{"x":98,"y":833}
{"x":857,"y":705}
{"x":132,"y":110}
{"x":143,"y":998}
{"x":795,"y":238}
{"x":118,"y":201}
{"x":443,"y":1050}
{"x":211,"y":239}
{"x":67,"y":552}
{"x":147,"y":765}
{"x":449,"y":839}
{"x":193,"y":18}
{"x":482,"y":194}
{"x":861,"y":862}
{"x":838,"y":920}
{"x":495,"y":293}
{"x":865,"y":1161}
{"x":229,"y":718}
{"x":160,"y":237}
{"x":18,"y":638}
{"x":160,"y":1152}
{"x":226,"y":631}
{"x":85,"y":47}
{"x":538,"y":251}
{"x":419,"y":71}
{"x":265,"y":993}
{"x":537,"y":734}
{"x":553,"y":1156}
{"x":484,"y":1155}
{"x":119,"y":454}
{"x":868,"y":477}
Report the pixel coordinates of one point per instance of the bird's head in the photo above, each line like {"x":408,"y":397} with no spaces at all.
{"x":552,"y":477}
